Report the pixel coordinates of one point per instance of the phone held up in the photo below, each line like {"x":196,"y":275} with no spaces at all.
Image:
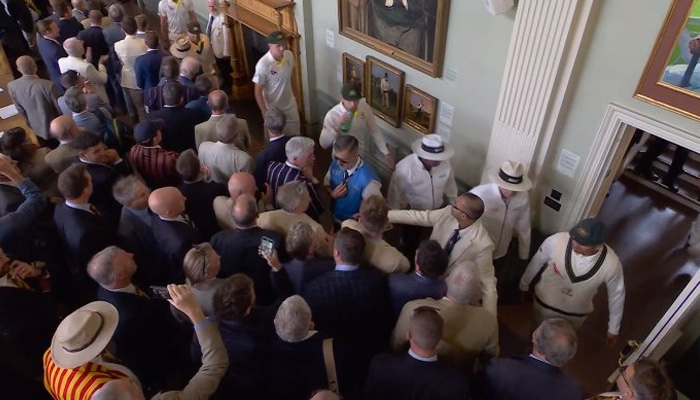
{"x":267,"y":246}
{"x":159,"y":292}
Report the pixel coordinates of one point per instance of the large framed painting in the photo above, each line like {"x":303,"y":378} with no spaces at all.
{"x":354,"y":71}
{"x":410,"y":31}
{"x":384,"y":90}
{"x":419,"y":110}
{"x":671,"y":78}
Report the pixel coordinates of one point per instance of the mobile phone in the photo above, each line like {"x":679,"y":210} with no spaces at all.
{"x":158,"y":292}
{"x":267,"y":246}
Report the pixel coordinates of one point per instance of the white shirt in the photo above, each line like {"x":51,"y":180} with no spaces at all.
{"x":82,"y":206}
{"x":363,"y":122}
{"x":178,"y":16}
{"x":414,"y":187}
{"x":502,"y":218}
{"x":276,"y":79}
{"x":127,"y":50}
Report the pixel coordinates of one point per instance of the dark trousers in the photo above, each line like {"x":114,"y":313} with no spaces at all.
{"x":224,"y":65}
{"x":411,"y":238}
{"x":509,"y":269}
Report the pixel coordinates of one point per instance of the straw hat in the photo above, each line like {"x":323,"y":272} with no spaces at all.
{"x":511,"y":177}
{"x":181,"y":47}
{"x":432,"y":147}
{"x":83,"y":334}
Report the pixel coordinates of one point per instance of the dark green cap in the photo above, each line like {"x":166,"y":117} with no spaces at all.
{"x":276,"y":37}
{"x":589,"y":232}
{"x":351,"y":91}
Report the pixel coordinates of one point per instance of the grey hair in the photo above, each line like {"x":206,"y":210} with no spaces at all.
{"x":116,"y":12}
{"x":298,"y":146}
{"x":556,"y":339}
{"x":299,"y":240}
{"x":293,"y":319}
{"x":77,"y":3}
{"x":275,"y":120}
{"x":123,"y":189}
{"x":227,"y":129}
{"x":73,"y":47}
{"x":463,"y":282}
{"x":75,"y":99}
{"x":190,"y":66}
{"x":290,"y":195}
{"x":101,"y":268}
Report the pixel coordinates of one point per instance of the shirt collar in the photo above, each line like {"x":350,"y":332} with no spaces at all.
{"x":539,"y":359}
{"x":151,"y":50}
{"x":272,"y":139}
{"x":52,"y":39}
{"x":346,"y":267}
{"x":79,"y":206}
{"x":130,"y":288}
{"x":179,"y":218}
{"x":357,"y":165}
{"x":420,"y":358}
{"x":292,"y":165}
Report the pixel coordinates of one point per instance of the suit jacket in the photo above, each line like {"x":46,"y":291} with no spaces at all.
{"x":404,"y":288}
{"x":379,"y":253}
{"x":141,"y":332}
{"x":274,"y":151}
{"x":103,"y":178}
{"x":98,"y":76}
{"x":11,"y":198}
{"x":473,"y":245}
{"x":51,"y":51}
{"x":61,"y":157}
{"x":238,"y":249}
{"x":206,"y":132}
{"x":135,"y":235}
{"x":301,"y":272}
{"x":224,"y":160}
{"x":404,"y":377}
{"x":127,"y":50}
{"x":174,"y":240}
{"x":37,"y":100}
{"x":199,"y":205}
{"x":526,"y":378}
{"x":178,"y":134}
{"x":147,"y":69}
{"x":84,"y":234}
{"x":470,"y":332}
{"x":93,"y":38}
{"x":69,"y":28}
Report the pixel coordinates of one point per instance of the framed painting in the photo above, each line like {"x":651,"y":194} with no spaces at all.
{"x":671,"y":78}
{"x":354,"y":71}
{"x":419,"y":110}
{"x":410,"y":31}
{"x":384,"y":90}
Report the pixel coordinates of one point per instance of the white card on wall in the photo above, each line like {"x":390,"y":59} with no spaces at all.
{"x":330,"y":39}
{"x":446,"y":113}
{"x":339,"y":72}
{"x":451,"y":73}
{"x":444,"y":132}
{"x":568,"y":163}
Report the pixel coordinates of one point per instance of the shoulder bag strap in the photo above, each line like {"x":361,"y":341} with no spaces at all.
{"x":329,"y":360}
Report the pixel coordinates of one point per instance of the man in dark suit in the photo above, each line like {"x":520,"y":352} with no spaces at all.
{"x":13,"y":20}
{"x":170,"y":70}
{"x":142,"y":333}
{"x":135,"y":231}
{"x":50,"y":49}
{"x":351,"y":302}
{"x":539,"y":375}
{"x":239,"y":251}
{"x":174,"y":232}
{"x":274,"y":151}
{"x":178,"y":134}
{"x":419,"y":374}
{"x":199,"y":192}
{"x":67,"y":25}
{"x":305,"y":266}
{"x":80,"y":225}
{"x":94,"y":39}
{"x":105,"y":167}
{"x":426,"y":281}
{"x":147,"y":66}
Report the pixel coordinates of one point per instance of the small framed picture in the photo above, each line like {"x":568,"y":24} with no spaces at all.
{"x":354,"y":71}
{"x":385,"y":90}
{"x":419,"y":110}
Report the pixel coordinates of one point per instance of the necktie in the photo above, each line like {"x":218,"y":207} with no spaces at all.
{"x":211,"y":22}
{"x":346,"y":176}
{"x":451,"y":243}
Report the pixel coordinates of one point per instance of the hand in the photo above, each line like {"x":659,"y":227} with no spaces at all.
{"x":9,"y":170}
{"x":389,"y":159}
{"x":23,"y":270}
{"x":694,"y":45}
{"x":88,"y":88}
{"x":112,"y":156}
{"x":182,"y":298}
{"x":272,"y":259}
{"x":308,"y":173}
{"x":104,"y":59}
{"x":267,"y":195}
{"x":612,"y":340}
{"x":340,"y":191}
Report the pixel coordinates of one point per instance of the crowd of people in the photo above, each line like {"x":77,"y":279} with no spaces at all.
{"x":147,"y":251}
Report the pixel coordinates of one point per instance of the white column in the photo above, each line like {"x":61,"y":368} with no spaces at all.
{"x":543,"y":49}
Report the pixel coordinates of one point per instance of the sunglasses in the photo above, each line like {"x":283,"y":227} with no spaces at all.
{"x":464,"y":212}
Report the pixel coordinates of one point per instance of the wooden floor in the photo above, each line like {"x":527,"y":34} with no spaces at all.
{"x":648,"y":232}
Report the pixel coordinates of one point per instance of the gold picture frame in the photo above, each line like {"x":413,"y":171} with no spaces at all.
{"x":384,"y":90}
{"x":419,"y":110}
{"x":667,"y":80}
{"x":354,"y":70}
{"x":413,"y":32}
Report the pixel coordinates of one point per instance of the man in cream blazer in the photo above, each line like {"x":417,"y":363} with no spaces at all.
{"x":220,"y":38}
{"x":458,"y":230}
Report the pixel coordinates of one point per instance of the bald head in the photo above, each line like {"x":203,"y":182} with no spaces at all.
{"x":167,"y":202}
{"x":190,"y":67}
{"x":63,"y":128}
{"x":241,"y":183}
{"x":467,"y":209}
{"x":218,"y":102}
{"x":74,"y":47}
{"x":245,"y":211}
{"x":26,"y":65}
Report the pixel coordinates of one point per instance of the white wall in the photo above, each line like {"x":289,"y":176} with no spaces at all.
{"x":477,"y":46}
{"x":621,"y":36}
